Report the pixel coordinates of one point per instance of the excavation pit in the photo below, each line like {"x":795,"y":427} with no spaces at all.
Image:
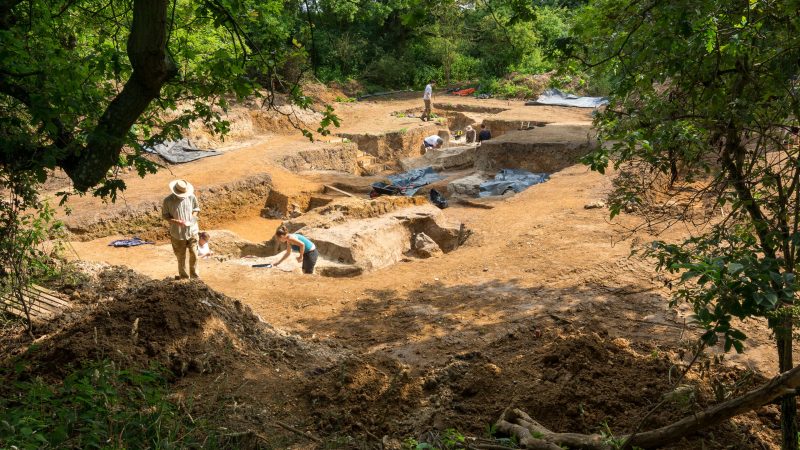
{"x":354,"y":236}
{"x":543,"y":150}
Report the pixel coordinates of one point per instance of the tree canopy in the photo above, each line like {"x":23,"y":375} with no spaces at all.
{"x":81,"y":79}
{"x":708,"y":91}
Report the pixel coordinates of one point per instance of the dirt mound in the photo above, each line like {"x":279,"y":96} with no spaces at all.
{"x":135,"y":321}
{"x":570,"y":381}
{"x":523,"y":86}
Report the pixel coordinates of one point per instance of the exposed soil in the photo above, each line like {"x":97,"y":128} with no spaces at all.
{"x":542,"y":308}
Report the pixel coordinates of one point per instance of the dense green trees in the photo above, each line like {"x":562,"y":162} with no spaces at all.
{"x":708,"y":90}
{"x":81,"y":79}
{"x":401,"y":43}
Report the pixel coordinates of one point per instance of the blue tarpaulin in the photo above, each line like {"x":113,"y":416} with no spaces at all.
{"x":133,"y":242}
{"x":410,"y":182}
{"x":558,"y":98}
{"x":511,"y":179}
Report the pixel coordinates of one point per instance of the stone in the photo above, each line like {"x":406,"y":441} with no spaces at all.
{"x":595,"y":205}
{"x":467,"y":186}
{"x":425,"y":247}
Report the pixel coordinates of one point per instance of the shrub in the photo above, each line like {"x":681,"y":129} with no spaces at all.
{"x":99,"y":406}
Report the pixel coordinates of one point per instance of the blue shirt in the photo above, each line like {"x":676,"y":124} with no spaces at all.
{"x":308,"y":244}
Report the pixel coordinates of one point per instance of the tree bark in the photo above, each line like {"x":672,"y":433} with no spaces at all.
{"x":783,"y":336}
{"x":152,"y":68}
{"x":533,"y":435}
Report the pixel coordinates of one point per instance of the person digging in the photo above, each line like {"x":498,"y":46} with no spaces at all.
{"x":181,"y":209}
{"x":296,"y":241}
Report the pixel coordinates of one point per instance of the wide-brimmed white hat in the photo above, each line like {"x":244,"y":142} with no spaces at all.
{"x":181,"y":188}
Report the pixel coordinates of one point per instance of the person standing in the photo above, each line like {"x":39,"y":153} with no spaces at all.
{"x":484,"y":135}
{"x":427,"y":97}
{"x":303,"y":245}
{"x":181,"y":209}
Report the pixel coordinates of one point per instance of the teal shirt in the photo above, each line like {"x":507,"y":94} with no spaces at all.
{"x":309,"y":245}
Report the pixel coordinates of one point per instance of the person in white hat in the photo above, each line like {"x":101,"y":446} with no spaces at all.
{"x":180,"y":209}
{"x":470,"y":134}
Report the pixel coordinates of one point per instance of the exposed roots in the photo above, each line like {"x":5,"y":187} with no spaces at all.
{"x":532,"y":435}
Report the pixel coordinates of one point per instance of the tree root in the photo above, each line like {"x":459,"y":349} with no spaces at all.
{"x":533,"y":435}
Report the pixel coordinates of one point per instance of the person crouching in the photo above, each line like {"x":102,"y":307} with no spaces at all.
{"x":430,"y":142}
{"x":296,"y":241}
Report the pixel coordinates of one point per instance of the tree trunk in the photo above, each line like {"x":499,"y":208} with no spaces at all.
{"x":783,"y":336}
{"x":152,"y":68}
{"x":313,"y":40}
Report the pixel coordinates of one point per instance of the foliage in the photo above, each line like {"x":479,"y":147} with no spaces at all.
{"x":85,"y":84}
{"x":26,"y":223}
{"x":704,"y":99}
{"x":98,"y":406}
{"x":402,"y":43}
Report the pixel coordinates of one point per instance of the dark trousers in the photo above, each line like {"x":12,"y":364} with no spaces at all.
{"x":310,"y":260}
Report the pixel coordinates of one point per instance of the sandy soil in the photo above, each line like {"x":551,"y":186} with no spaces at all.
{"x":536,"y":261}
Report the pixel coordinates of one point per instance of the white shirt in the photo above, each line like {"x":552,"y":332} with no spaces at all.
{"x":428,"y":92}
{"x":175,"y":207}
{"x":433,"y":140}
{"x":203,"y":250}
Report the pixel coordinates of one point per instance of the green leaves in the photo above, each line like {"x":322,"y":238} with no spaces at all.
{"x":98,"y":406}
{"x":699,"y":104}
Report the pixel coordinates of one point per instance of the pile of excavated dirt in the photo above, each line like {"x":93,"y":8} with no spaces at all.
{"x":568,"y":380}
{"x":183,"y":326}
{"x":244,"y":375}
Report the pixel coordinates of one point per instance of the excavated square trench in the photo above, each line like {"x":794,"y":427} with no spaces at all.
{"x":357,"y":235}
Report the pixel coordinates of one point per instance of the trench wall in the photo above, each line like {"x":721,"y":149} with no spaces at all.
{"x":499,"y":127}
{"x":341,"y":158}
{"x":536,"y":150}
{"x":390,"y":147}
{"x":219,"y":203}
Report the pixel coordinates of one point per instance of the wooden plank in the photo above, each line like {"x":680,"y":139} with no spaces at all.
{"x":42,"y":303}
{"x":33,"y":306}
{"x":338,"y":190}
{"x":17,"y":310}
{"x":48,"y":299}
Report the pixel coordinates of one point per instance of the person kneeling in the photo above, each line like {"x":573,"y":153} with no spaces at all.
{"x":296,"y":241}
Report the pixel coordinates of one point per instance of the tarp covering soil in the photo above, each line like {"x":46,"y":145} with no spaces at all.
{"x":511,"y":179}
{"x":558,"y":98}
{"x":408,"y":183}
{"x":178,"y":152}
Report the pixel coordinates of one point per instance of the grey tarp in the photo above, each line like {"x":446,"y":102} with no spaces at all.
{"x":411,"y":181}
{"x":513,"y":179}
{"x":558,"y":98}
{"x":182,"y":151}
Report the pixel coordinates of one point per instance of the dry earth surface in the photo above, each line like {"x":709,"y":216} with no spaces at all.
{"x":541,"y":308}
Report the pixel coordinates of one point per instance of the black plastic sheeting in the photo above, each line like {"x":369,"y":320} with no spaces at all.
{"x":178,"y":152}
{"x":511,"y":179}
{"x":558,"y":98}
{"x":410,"y":182}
